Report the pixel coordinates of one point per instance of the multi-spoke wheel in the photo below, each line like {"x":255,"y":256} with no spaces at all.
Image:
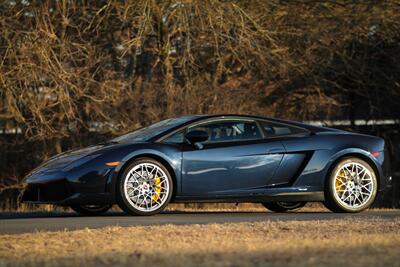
{"x":91,"y":210}
{"x":145,"y":187}
{"x":351,"y":187}
{"x":282,"y":206}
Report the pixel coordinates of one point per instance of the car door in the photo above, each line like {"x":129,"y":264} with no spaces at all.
{"x":236,"y":159}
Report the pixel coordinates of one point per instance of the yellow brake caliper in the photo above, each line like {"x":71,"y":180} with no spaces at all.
{"x":157,"y":183}
{"x":340,"y":181}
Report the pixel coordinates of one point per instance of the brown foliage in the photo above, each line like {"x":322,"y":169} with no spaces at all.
{"x":72,"y":66}
{"x":68,"y":68}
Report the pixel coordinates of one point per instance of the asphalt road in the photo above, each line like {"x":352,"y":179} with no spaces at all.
{"x":16,"y":223}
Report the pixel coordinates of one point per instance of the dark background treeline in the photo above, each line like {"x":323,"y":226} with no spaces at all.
{"x":73,"y":73}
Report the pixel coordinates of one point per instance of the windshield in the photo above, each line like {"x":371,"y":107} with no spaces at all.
{"x":146,"y":133}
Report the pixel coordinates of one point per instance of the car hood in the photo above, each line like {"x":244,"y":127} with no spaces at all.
{"x":62,"y":160}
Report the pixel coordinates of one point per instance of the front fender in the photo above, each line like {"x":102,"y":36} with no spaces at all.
{"x":168,"y":156}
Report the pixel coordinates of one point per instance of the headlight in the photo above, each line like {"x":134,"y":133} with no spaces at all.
{"x":79,"y":162}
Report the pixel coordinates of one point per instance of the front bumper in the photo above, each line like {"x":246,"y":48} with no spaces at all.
{"x":53,"y":194}
{"x":62,"y":188}
{"x":49,"y":192}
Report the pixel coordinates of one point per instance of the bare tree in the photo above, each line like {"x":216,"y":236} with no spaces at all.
{"x":69,"y":68}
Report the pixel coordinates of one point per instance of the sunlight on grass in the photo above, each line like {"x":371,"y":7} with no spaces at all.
{"x":330,"y":243}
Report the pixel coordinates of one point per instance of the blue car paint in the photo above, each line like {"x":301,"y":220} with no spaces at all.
{"x":289,"y":166}
{"x":234,"y":167}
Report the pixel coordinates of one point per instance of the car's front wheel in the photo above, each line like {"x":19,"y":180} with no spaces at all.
{"x":145,"y":187}
{"x":283,"y":206}
{"x":91,"y":210}
{"x":351,"y":186}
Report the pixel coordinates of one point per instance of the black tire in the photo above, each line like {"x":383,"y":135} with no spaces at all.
{"x":282,"y":206}
{"x":333,"y":201}
{"x":91,"y":210}
{"x":123,"y":201}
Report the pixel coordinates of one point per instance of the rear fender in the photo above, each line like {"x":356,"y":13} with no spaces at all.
{"x":376,"y":163}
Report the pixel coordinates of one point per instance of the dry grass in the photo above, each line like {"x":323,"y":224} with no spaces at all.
{"x":330,"y":243}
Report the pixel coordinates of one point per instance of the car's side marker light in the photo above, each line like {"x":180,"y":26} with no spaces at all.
{"x":112,"y":163}
{"x":375,"y":154}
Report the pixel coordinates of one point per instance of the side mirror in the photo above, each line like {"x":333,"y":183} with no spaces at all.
{"x":197,"y":136}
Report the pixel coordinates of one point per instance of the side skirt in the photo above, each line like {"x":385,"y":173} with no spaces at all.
{"x":292,"y":196}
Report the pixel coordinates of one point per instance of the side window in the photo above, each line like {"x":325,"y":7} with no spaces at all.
{"x":222,"y":131}
{"x":176,"y":138}
{"x":275,"y":129}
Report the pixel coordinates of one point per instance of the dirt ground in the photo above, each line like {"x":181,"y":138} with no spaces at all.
{"x":350,"y":242}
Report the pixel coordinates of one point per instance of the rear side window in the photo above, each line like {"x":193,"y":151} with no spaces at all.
{"x":273,"y":129}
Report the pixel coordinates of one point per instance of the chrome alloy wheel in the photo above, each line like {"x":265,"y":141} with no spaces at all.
{"x":353,"y":185}
{"x":146,"y":187}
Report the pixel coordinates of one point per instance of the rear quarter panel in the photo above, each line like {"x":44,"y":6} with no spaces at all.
{"x":327,"y":148}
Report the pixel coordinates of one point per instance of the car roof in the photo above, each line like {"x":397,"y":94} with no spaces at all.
{"x":189,"y":119}
{"x":257,"y":117}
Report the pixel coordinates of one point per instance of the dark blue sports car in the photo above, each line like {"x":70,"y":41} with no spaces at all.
{"x":216,"y":158}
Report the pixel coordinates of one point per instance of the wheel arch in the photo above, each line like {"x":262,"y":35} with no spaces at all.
{"x":363,"y":155}
{"x":150,"y":155}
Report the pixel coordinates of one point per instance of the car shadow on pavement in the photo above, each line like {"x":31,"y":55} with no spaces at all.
{"x":58,"y":214}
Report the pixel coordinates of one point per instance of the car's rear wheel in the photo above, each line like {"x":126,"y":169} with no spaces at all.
{"x":91,"y":210}
{"x":351,"y":186}
{"x":283,"y":206}
{"x":145,"y":187}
